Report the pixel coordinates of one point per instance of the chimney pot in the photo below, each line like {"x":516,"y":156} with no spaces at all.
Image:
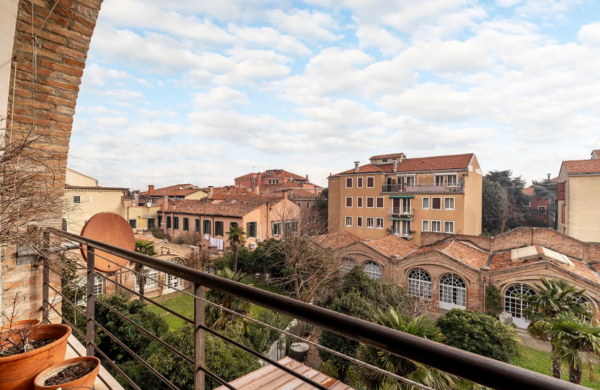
{"x":150,"y":190}
{"x":356,"y":163}
{"x":395,"y":166}
{"x":549,"y":176}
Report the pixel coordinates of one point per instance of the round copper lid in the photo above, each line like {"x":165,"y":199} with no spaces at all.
{"x":112,"y":229}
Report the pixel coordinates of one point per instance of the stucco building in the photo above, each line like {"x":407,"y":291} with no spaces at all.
{"x":84,"y":198}
{"x":453,"y":271}
{"x":407,"y":196}
{"x":578,"y":194}
{"x":274,"y":178}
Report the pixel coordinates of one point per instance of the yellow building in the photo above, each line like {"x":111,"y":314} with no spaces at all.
{"x":406,"y":196}
{"x":84,"y":198}
{"x":578,"y":194}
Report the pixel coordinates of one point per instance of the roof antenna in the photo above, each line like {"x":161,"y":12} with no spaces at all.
{"x":405,"y":127}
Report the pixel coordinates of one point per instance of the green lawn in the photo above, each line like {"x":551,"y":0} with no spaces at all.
{"x":184,"y":304}
{"x":540,"y":361}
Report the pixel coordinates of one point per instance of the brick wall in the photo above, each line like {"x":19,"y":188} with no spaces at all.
{"x":429,"y":238}
{"x":44,"y":99}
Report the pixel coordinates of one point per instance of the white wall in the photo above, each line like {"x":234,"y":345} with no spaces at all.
{"x":8,"y":20}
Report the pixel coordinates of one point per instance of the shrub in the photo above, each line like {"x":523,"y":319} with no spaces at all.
{"x":478,"y":333}
{"x":157,"y":233}
{"x":493,"y":300}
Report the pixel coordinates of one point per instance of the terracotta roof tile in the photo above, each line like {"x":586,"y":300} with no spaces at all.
{"x":221,"y":193}
{"x":392,"y":245}
{"x":530,"y":191}
{"x":229,"y":207}
{"x":176,"y":190}
{"x":277,"y":173}
{"x":337,"y":240}
{"x":436,"y":163}
{"x":467,"y":254}
{"x":582,"y":166}
{"x":392,"y":155}
{"x":99,"y":188}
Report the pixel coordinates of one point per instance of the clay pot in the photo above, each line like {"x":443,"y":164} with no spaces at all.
{"x":84,"y":382}
{"x":15,"y":327}
{"x":18,"y":372}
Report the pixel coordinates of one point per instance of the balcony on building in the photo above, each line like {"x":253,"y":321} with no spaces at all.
{"x":418,"y":189}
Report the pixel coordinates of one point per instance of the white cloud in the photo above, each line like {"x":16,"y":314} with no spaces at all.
{"x":590,"y":34}
{"x":373,"y":36}
{"x":270,"y":38}
{"x":220,"y":97}
{"x":157,"y":113}
{"x":99,"y":110}
{"x":304,"y":24}
{"x":551,"y":10}
{"x":123,"y":94}
{"x":98,"y":75}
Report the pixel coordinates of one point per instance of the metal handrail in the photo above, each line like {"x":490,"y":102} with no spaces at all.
{"x":469,"y":366}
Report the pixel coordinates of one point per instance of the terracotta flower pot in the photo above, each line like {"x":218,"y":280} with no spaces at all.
{"x":85,"y":381}
{"x":15,"y":327}
{"x":18,"y":372}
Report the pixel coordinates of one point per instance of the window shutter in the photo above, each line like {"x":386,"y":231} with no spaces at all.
{"x":436,"y":203}
{"x":564,"y":207}
{"x":560,"y":191}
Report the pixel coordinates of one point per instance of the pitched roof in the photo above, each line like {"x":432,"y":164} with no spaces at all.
{"x":530,"y":191}
{"x":392,"y":245}
{"x":458,"y":250}
{"x":336,"y":240}
{"x":175,"y":190}
{"x":270,"y":377}
{"x":435,"y":163}
{"x":97,"y":188}
{"x":164,"y":247}
{"x":229,"y":207}
{"x":276,"y":173}
{"x":221,"y":193}
{"x":287,"y":184}
{"x":392,"y":155}
{"x":597,"y":153}
{"x":303,"y":194}
{"x":582,"y":166}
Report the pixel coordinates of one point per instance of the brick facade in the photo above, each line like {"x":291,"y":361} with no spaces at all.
{"x":45,"y":88}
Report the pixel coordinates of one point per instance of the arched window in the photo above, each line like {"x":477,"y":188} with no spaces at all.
{"x":373,"y":270}
{"x":98,"y":285}
{"x":209,"y":269}
{"x":453,"y":292}
{"x":151,"y":276}
{"x":514,"y":305}
{"x":419,"y":283}
{"x":174,"y":282}
{"x":347,"y":265}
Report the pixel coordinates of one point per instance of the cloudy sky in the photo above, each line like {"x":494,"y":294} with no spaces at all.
{"x":204,"y":91}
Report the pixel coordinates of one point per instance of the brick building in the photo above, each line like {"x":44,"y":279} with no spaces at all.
{"x":453,"y":270}
{"x":273,"y":178}
{"x":538,"y":211}
{"x":407,"y":196}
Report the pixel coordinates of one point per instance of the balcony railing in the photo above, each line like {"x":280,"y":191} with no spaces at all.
{"x":400,"y":188}
{"x":401,"y":211}
{"x":469,"y":366}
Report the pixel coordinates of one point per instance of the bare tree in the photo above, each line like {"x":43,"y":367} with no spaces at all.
{"x":498,"y":205}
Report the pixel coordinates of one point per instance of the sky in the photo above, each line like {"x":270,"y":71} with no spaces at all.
{"x":187,"y":91}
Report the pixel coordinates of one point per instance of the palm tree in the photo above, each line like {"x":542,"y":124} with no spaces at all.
{"x":146,"y":248}
{"x":552,"y":298}
{"x":219,"y":318}
{"x":421,"y":326}
{"x":236,"y":240}
{"x":572,"y":336}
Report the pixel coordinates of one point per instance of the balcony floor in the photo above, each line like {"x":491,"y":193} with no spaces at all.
{"x":76,"y":349}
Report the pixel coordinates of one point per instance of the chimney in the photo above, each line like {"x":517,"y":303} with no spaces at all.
{"x":257,"y":189}
{"x":150,"y":190}
{"x":395,"y":166}
{"x":356,"y":166}
{"x":549,"y":176}
{"x":306,"y":177}
{"x":285,"y":194}
{"x":210,"y":192}
{"x":165,"y":204}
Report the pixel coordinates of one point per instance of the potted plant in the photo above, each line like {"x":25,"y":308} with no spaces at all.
{"x":74,"y":373}
{"x":27,"y":348}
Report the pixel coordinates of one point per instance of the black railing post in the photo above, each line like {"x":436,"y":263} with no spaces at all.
{"x":91,"y":301}
{"x":45,"y":276}
{"x":199,"y":353}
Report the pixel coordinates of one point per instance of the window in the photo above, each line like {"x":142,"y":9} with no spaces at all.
{"x":527,"y":204}
{"x":151,"y":223}
{"x":359,"y":201}
{"x":370,"y":202}
{"x":197,"y":225}
{"x":452,"y":180}
{"x":77,"y":199}
{"x":174,"y":282}
{"x":133,"y":223}
{"x":448,"y":203}
{"x":373,"y":270}
{"x":370,"y":222}
{"x":436,"y":203}
{"x":219,"y":228}
{"x":299,"y":204}
{"x":98,"y":285}
{"x":160,"y":221}
{"x":176,"y":223}
{"x":186,"y":224}
{"x":379,"y":203}
{"x":233,"y":224}
{"x":209,"y":269}
{"x":348,"y":201}
{"x":453,"y":292}
{"x":347,"y":266}
{"x":276,"y":229}
{"x":542,"y":209}
{"x":253,"y":183}
{"x":65,"y":225}
{"x":348,"y":221}
{"x":439,"y":180}
{"x":251,"y":229}
{"x":151,"y":276}
{"x":513,"y":303}
{"x":91,"y":199}
{"x":379,"y":223}
{"x":419,"y":283}
{"x":290,"y":227}
{"x":436,"y":226}
{"x":359,"y":222}
{"x":406,"y":231}
{"x":206,"y":227}
{"x":425,"y":227}
{"x":370,"y":182}
{"x":308,"y":205}
{"x":449,"y":227}
{"x":409,"y":181}
{"x":168,"y":222}
{"x":384,"y":160}
{"x":425,"y":203}
{"x":359,"y":182}
{"x":348,"y":182}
